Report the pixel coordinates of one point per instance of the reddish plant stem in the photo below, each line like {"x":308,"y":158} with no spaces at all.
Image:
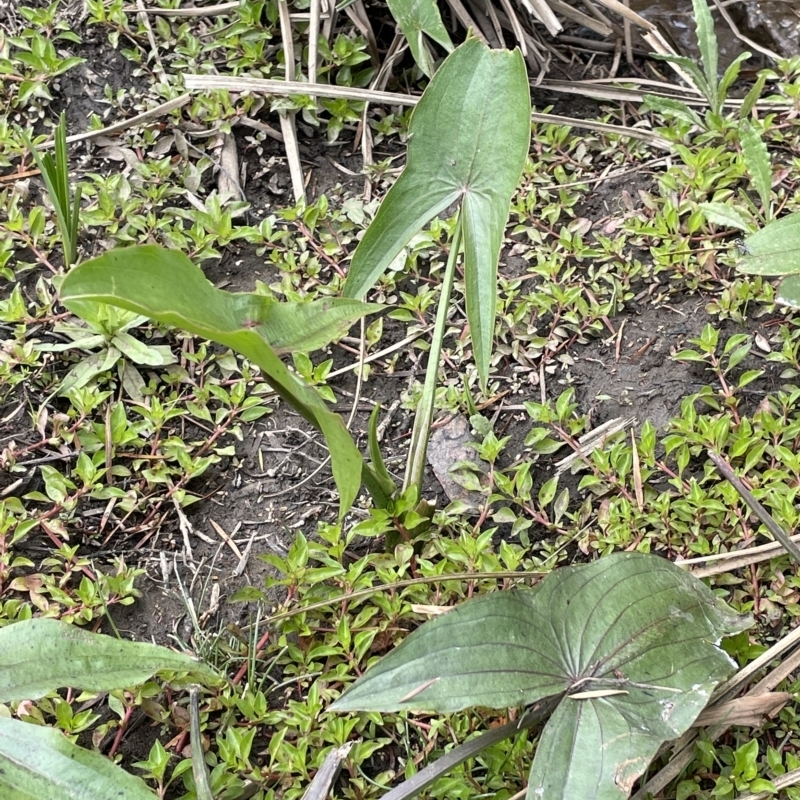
{"x":260,"y":647}
{"x":123,"y":726}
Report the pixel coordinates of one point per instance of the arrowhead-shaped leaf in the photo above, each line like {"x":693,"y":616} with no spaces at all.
{"x":38,"y":762}
{"x":41,"y":655}
{"x":633,"y":636}
{"x":774,"y":250}
{"x":166,"y":286}
{"x":418,"y":17}
{"x":468,"y":142}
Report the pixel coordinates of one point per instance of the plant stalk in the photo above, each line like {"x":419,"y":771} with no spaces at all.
{"x":418,"y":449}
{"x":199,"y":771}
{"x":425,"y":777}
{"x":725,"y":468}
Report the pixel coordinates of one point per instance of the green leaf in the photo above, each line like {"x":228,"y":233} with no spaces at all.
{"x":753,"y":96}
{"x":38,"y":762}
{"x":418,"y":17}
{"x":140,"y":353}
{"x":671,"y":107}
{"x":774,"y":250}
{"x":709,"y":53}
{"x":732,"y":73}
{"x":166,"y":286}
{"x":691,"y":68}
{"x":726,"y":216}
{"x":468,"y":142}
{"x":630,"y":640}
{"x":54,"y":168}
{"x":378,"y":464}
{"x":41,"y":655}
{"x":759,"y":785}
{"x":789,"y":292}
{"x":759,"y":166}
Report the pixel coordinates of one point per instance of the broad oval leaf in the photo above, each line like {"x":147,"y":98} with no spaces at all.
{"x":166,"y":286}
{"x":38,"y":762}
{"x":468,"y":142}
{"x":41,"y":655}
{"x":774,"y":250}
{"x":634,"y":636}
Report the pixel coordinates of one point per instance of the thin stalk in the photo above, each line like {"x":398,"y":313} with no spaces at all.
{"x":725,"y":468}
{"x":374,"y":485}
{"x":199,"y":771}
{"x":424,"y":417}
{"x":458,"y":755}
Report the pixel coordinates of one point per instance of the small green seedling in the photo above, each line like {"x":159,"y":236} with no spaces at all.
{"x":705,"y":80}
{"x":105,"y":337}
{"x":55,"y":173}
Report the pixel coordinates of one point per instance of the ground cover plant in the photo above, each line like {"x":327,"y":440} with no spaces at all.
{"x":152,"y":492}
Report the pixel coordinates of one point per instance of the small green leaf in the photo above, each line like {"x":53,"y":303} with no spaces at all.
{"x":688,"y":355}
{"x":750,"y":376}
{"x":690,"y":67}
{"x":726,"y":216}
{"x":376,"y":456}
{"x":140,"y":353}
{"x":731,"y":74}
{"x":753,"y":96}
{"x":247,"y":594}
{"x":668,"y":106}
{"x":762,"y":785}
{"x":709,"y":53}
{"x":548,"y":491}
{"x":789,"y":292}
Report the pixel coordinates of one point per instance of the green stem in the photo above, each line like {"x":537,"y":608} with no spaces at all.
{"x":374,"y":485}
{"x":422,"y":421}
{"x":469,"y":749}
